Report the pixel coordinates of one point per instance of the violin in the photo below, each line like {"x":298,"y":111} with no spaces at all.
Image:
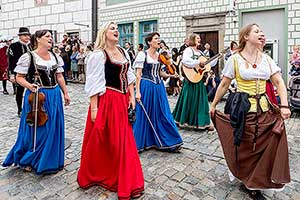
{"x":165,"y":59}
{"x":37,"y":113}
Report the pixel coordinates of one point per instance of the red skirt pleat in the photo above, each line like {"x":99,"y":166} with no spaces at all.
{"x":109,"y":155}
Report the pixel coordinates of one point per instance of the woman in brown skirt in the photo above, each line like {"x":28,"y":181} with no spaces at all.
{"x":252,"y":130}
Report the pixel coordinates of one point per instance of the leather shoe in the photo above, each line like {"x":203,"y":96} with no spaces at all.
{"x":253,"y":194}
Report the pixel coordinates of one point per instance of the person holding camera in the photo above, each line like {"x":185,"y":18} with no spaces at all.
{"x":212,"y":82}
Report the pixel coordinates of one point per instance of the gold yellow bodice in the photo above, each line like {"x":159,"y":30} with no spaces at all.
{"x":252,"y":87}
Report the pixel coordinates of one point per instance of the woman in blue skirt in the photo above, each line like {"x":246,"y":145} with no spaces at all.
{"x":43,"y":150}
{"x":154,"y":126}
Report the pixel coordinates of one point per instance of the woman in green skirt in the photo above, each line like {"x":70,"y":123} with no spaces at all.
{"x":192,"y":109}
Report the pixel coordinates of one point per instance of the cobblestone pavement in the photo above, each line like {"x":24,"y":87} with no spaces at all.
{"x":198,"y":172}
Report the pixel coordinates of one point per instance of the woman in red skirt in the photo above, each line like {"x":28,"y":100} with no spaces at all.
{"x":109,"y":155}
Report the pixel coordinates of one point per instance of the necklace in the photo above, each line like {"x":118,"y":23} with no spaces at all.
{"x":254,"y":65}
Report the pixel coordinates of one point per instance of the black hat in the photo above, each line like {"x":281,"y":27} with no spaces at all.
{"x":24,"y":31}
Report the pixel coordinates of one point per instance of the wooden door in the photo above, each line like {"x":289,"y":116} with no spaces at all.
{"x":212,"y":38}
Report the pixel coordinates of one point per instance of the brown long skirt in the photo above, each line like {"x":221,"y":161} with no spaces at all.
{"x":266,"y":166}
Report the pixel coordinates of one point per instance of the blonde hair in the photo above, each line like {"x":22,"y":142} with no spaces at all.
{"x":244,"y":32}
{"x":101,"y":36}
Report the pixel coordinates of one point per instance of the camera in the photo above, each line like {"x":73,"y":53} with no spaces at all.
{"x":131,"y":114}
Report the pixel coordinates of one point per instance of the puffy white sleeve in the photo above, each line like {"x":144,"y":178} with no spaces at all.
{"x":187,"y":59}
{"x":273,"y":65}
{"x":95,"y":74}
{"x":228,"y":70}
{"x":60,"y":68}
{"x":23,"y":64}
{"x":139,"y":60}
{"x":130,"y":72}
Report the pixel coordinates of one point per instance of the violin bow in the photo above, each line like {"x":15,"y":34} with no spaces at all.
{"x":35,"y":117}
{"x":149,"y":120}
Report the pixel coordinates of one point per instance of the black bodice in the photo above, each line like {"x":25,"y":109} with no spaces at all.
{"x":47,"y":77}
{"x":116,"y":74}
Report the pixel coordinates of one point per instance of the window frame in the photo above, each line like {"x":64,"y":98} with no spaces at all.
{"x":142,"y":34}
{"x":125,"y":35}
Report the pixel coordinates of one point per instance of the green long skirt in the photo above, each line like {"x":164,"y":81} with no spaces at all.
{"x":192,"y":107}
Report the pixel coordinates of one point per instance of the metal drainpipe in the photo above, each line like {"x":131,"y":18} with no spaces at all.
{"x":94,"y":19}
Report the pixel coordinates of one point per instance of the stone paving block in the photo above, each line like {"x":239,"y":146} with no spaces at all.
{"x":209,"y":198}
{"x":295,"y":196}
{"x":170,"y":183}
{"x":73,"y":166}
{"x":190,"y":197}
{"x":179,"y":191}
{"x":52,"y":197}
{"x":281,"y":196}
{"x":170,"y":172}
{"x":207,"y":182}
{"x":220,"y":171}
{"x":76,"y":194}
{"x":207,"y":165}
{"x":237,"y":196}
{"x":160,"y":193}
{"x":199,"y":174}
{"x":179,"y":166}
{"x":161,"y":179}
{"x":185,"y":186}
{"x":201,"y":187}
{"x":191,"y":180}
{"x":67,"y":189}
{"x":173,"y":196}
{"x":5,"y":196}
{"x":198,"y":193}
{"x":218,"y":192}
{"x":178,"y":176}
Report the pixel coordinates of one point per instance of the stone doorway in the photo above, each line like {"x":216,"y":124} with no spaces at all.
{"x":211,"y":27}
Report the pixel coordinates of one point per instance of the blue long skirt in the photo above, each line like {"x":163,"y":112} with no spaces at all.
{"x":49,"y":154}
{"x":164,"y":133}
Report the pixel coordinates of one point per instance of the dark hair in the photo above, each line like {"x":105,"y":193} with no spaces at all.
{"x":163,"y":42}
{"x":233,"y":43}
{"x":89,"y":47}
{"x":174,"y":57}
{"x":141,"y":46}
{"x":128,"y":43}
{"x":35,"y":36}
{"x":149,"y":37}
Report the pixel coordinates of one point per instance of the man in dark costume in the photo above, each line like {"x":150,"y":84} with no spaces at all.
{"x":15,"y":51}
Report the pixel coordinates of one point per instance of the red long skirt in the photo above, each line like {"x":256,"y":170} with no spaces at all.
{"x":109,"y":155}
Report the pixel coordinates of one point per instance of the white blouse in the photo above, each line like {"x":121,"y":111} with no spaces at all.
{"x":190,"y":62}
{"x":23,"y":63}
{"x":140,"y":59}
{"x":95,"y":73}
{"x":263,"y":71}
{"x":187,"y":57}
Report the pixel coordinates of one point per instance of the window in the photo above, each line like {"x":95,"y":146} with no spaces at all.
{"x":40,"y":2}
{"x":126,"y":33}
{"x":113,"y":2}
{"x":146,"y":28}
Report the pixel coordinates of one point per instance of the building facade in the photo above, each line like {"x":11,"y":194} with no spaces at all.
{"x":60,"y":16}
{"x":217,"y":21}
